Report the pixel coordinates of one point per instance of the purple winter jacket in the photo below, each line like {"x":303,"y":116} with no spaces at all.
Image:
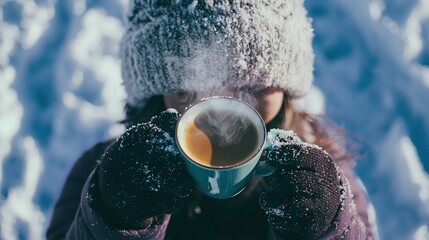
{"x":200,"y":218}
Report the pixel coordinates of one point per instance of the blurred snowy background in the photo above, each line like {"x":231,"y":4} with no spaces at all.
{"x":60,"y":92}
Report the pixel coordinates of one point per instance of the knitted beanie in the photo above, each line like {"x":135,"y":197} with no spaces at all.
{"x":198,"y":45}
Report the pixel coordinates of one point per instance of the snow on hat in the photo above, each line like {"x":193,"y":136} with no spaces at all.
{"x":173,"y":45}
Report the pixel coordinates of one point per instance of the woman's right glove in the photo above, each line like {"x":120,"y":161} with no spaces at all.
{"x":142,"y":174}
{"x":305,"y":191}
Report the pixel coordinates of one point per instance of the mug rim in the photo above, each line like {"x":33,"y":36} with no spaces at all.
{"x":252,"y":156}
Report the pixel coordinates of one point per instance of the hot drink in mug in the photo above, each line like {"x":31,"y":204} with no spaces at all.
{"x":222,"y":140}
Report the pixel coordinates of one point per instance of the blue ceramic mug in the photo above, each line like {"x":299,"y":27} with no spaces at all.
{"x":224,"y":179}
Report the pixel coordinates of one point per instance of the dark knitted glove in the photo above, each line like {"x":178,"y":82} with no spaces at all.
{"x":305,"y":189}
{"x":142,"y":174}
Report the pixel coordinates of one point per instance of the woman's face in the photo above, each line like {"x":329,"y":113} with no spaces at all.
{"x":267,"y":101}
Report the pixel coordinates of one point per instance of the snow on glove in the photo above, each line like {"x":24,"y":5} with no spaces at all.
{"x":305,"y":189}
{"x":142,"y":174}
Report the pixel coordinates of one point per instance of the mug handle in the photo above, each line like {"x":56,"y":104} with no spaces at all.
{"x":262,"y":168}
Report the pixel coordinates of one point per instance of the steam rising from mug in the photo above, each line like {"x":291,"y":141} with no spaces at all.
{"x":228,"y":128}
{"x":245,"y":94}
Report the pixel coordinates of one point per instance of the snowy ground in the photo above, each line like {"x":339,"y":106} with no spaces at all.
{"x":60,"y":92}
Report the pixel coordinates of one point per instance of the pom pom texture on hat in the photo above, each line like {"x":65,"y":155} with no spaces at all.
{"x":198,"y":45}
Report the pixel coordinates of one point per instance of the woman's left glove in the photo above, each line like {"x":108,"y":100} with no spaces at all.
{"x":305,"y":189}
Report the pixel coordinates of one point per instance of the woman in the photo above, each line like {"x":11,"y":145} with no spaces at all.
{"x":173,"y":54}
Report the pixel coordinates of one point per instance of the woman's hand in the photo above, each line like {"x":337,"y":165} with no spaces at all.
{"x":305,"y":189}
{"x":142,"y":174}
